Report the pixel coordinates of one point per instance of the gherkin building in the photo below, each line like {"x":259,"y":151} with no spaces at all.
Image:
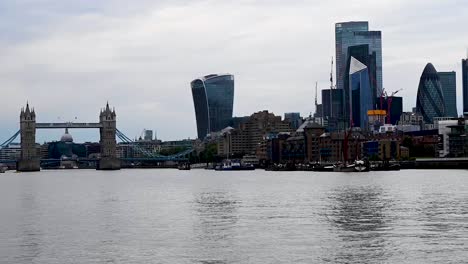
{"x":430,"y":101}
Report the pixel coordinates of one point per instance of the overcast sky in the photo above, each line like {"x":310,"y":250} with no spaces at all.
{"x":69,"y":57}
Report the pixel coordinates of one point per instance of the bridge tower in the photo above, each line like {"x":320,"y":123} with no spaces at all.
{"x":109,"y":160}
{"x":29,"y":160}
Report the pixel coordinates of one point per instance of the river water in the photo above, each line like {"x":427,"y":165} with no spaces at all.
{"x":199,"y":216}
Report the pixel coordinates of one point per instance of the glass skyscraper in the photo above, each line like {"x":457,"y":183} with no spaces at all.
{"x":332,"y":108}
{"x":430,"y":99}
{"x":213,"y":98}
{"x":448,"y":81}
{"x":348,"y":34}
{"x":361,"y":98}
{"x":465,"y":85}
{"x":294,"y":119}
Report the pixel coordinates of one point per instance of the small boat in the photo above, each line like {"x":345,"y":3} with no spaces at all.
{"x":232,"y":165}
{"x":344,"y":168}
{"x":357,"y":166}
{"x":282,"y":167}
{"x":361,"y":166}
{"x":324,"y":168}
{"x":386,"y":167}
{"x":184,"y":166}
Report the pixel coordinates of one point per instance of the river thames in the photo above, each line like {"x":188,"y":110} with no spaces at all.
{"x":199,"y":216}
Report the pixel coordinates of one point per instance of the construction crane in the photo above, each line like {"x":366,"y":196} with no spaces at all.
{"x":382,"y":96}
{"x":389,"y":99}
{"x":316,"y":102}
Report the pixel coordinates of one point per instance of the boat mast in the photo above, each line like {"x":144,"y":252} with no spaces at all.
{"x":316,"y":102}
{"x":331,"y":88}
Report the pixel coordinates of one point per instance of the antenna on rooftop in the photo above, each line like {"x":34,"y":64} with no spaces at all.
{"x":316,"y":84}
{"x":331,"y":74}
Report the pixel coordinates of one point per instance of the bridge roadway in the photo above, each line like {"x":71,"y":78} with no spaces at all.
{"x":67,"y":125}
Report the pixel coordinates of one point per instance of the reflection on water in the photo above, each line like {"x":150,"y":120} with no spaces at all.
{"x":198,"y":216}
{"x":441,"y":216}
{"x":29,"y":230}
{"x":359,"y":209}
{"x":359,"y":214}
{"x":217,"y":217}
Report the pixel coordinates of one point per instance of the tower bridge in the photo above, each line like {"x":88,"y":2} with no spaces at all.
{"x":67,"y":125}
{"x":29,"y":159}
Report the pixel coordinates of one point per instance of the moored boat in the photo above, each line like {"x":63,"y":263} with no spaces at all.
{"x":357,"y":166}
{"x":184,"y":166}
{"x":361,"y":166}
{"x":386,"y":166}
{"x":234,"y":165}
{"x":344,"y":168}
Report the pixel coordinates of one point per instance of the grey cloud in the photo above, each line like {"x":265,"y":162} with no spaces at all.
{"x":69,"y":57}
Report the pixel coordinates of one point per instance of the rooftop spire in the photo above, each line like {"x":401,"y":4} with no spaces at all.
{"x":331,"y":74}
{"x":316,"y":84}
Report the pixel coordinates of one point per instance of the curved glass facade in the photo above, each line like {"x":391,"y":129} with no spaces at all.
{"x":213,"y":98}
{"x":430,"y":101}
{"x":348,"y":34}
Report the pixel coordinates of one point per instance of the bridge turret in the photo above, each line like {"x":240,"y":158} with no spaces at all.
{"x":29,"y":160}
{"x":108,"y":120}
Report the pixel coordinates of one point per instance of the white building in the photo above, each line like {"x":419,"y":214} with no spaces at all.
{"x":444,"y":131}
{"x":387,"y":129}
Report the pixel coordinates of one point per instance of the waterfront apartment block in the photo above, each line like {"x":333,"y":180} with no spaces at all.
{"x":244,"y":139}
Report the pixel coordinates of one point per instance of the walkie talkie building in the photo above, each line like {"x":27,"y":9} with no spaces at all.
{"x":213,"y":98}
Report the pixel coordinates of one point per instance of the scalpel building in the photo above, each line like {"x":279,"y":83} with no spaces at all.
{"x":213,"y":98}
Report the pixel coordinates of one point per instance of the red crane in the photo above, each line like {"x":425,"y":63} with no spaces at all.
{"x":389,"y":103}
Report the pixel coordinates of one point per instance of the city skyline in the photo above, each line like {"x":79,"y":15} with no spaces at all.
{"x":141,"y":59}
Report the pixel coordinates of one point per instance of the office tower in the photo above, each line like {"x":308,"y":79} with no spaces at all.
{"x":465,"y":85}
{"x":213,"y":98}
{"x":148,"y":135}
{"x":348,"y":34}
{"x":294,"y":119}
{"x":360,"y":97}
{"x":430,"y":99}
{"x":448,"y":81}
{"x":359,"y":55}
{"x":332,"y":108}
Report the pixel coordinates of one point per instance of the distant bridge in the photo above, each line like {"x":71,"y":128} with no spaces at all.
{"x":29,"y":161}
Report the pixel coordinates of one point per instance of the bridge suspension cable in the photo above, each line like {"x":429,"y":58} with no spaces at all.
{"x":147,"y":153}
{"x":11,"y":139}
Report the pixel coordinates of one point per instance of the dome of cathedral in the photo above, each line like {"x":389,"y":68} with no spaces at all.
{"x":66,"y":137}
